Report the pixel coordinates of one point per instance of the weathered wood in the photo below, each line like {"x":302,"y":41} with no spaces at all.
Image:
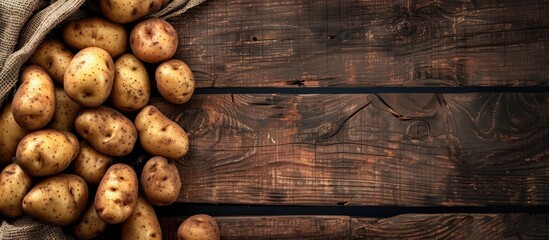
{"x":410,"y":226}
{"x":256,"y":43}
{"x":360,"y":149}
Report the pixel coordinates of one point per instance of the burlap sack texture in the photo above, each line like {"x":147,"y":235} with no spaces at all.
{"x":23,"y":25}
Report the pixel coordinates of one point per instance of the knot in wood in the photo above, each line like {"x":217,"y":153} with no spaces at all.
{"x":418,"y":130}
{"x":406,"y":28}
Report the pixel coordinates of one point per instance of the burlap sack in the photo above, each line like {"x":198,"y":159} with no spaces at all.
{"x":23,"y":25}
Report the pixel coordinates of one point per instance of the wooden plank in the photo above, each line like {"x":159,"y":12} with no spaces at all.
{"x":359,"y":149}
{"x":290,"y":43}
{"x":410,"y":226}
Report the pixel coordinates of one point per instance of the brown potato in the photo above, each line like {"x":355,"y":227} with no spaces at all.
{"x":96,"y":32}
{"x":89,"y":77}
{"x":107,"y":130}
{"x":153,"y":40}
{"x":66,"y":111}
{"x":159,"y":135}
{"x":125,"y":11}
{"x":90,"y":164}
{"x":132,"y":89}
{"x":54,"y":57}
{"x":10,"y":134}
{"x":57,"y":200}
{"x":175,"y":81}
{"x":160,"y":181}
{"x":46,"y":152}
{"x":198,"y":227}
{"x":14,"y":185}
{"x":116,"y":195}
{"x":143,"y":223}
{"x":33,"y":105}
{"x":89,"y":225}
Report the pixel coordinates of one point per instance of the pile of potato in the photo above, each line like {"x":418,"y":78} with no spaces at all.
{"x":69,"y":121}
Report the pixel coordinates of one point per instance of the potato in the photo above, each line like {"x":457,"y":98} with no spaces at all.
{"x":116,"y":195}
{"x":10,"y":134}
{"x":175,"y":81}
{"x":66,"y":111}
{"x":89,"y":225}
{"x":159,"y":135}
{"x":107,"y":130}
{"x":198,"y":227}
{"x":33,"y":105}
{"x":57,"y":200}
{"x":96,"y":32}
{"x":46,"y":152}
{"x":153,"y":40}
{"x":89,"y":77}
{"x":143,"y":223}
{"x":160,"y":181}
{"x":125,"y":11}
{"x":14,"y":185}
{"x":54,"y":57}
{"x":132,"y":89}
{"x":90,"y":164}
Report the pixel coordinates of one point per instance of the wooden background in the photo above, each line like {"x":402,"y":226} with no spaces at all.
{"x":295,"y":145}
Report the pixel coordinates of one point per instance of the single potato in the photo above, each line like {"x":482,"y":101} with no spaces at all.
{"x":66,"y":111}
{"x":160,"y":181}
{"x":10,"y":135}
{"x":14,"y":185}
{"x":198,"y":227}
{"x":33,"y":105}
{"x":153,"y":40}
{"x":54,"y":57}
{"x":143,"y":223}
{"x":175,"y":81}
{"x":125,"y":11}
{"x":96,"y":32}
{"x":89,"y":77}
{"x":57,"y":200}
{"x":116,"y":195}
{"x":90,"y":164}
{"x":89,"y":225}
{"x":46,"y":152}
{"x":132,"y":89}
{"x":107,"y":130}
{"x":159,"y":135}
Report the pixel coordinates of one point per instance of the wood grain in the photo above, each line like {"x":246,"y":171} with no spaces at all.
{"x":410,"y":226}
{"x":476,"y":149}
{"x":286,"y":43}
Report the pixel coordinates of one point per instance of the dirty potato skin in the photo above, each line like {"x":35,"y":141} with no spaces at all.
{"x":175,"y":81}
{"x":90,"y":164}
{"x":10,"y":135}
{"x":198,"y":227}
{"x":33,"y":105}
{"x":89,"y":225}
{"x":54,"y":57}
{"x":96,"y":32}
{"x":132,"y":89}
{"x":143,"y":223}
{"x":153,"y":40}
{"x":14,"y":185}
{"x":46,"y":152}
{"x":66,"y":111}
{"x":57,"y":200}
{"x":116,"y":196}
{"x":125,"y":11}
{"x":89,"y":77}
{"x":159,"y":135}
{"x":160,"y":181}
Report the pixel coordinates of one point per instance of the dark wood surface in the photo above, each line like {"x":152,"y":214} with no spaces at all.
{"x":475,"y":149}
{"x":262,"y":43}
{"x":410,"y":226}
